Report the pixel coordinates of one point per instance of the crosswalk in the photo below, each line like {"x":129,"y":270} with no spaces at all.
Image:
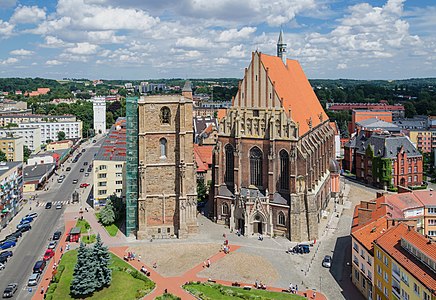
{"x":54,"y":203}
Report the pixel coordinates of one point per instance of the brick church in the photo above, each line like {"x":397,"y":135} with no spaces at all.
{"x":274,"y":153}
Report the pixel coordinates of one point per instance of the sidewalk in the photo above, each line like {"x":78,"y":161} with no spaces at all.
{"x":12,"y":226}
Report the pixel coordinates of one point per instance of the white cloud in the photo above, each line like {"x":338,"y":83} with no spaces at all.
{"x":54,"y":42}
{"x":21,"y":52}
{"x":6,"y":28}
{"x":222,"y":61}
{"x":28,"y":15}
{"x":237,"y":51}
{"x":192,"y":42}
{"x":53,"y":62}
{"x":83,"y":49}
{"x":9,"y":61}
{"x":234,"y":34}
{"x":341,"y":66}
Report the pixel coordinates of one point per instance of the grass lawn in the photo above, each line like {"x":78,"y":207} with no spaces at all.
{"x":218,"y":292}
{"x":167,"y":297}
{"x":111,"y":229}
{"x":123,"y":281}
{"x":84,"y":225}
{"x":88,"y":239}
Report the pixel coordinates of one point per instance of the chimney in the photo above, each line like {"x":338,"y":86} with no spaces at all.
{"x":364,"y":215}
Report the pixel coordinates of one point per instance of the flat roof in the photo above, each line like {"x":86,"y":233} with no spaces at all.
{"x":114,"y":145}
{"x":6,"y":166}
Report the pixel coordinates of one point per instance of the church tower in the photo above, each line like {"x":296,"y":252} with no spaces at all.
{"x":167,"y":193}
{"x":281,"y":47}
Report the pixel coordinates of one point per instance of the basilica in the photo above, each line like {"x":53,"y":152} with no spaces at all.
{"x":272,"y":161}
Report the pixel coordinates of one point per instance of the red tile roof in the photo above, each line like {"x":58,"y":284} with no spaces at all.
{"x":426,"y":197}
{"x":295,"y":91}
{"x":390,"y":242}
{"x":203,"y":157}
{"x":366,"y":234}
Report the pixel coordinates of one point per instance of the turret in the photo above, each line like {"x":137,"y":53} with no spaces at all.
{"x":281,"y":47}
{"x":187,"y":90}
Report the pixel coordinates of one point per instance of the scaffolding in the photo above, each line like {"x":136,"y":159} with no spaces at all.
{"x":131,"y":165}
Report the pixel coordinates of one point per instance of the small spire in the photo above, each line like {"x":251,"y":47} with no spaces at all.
{"x":187,"y":87}
{"x":280,"y":37}
{"x":281,"y":47}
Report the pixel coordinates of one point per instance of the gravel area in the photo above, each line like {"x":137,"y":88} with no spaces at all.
{"x":242,"y":267}
{"x":175,"y":259}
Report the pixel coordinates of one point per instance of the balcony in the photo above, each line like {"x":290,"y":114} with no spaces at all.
{"x":396,"y":291}
{"x":396,"y":275}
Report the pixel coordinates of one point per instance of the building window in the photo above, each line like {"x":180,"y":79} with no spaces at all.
{"x":119,"y":182}
{"x":386,"y":261}
{"x":415,"y":169}
{"x":102,"y":175}
{"x":409,"y":178}
{"x":432,"y":210}
{"x":102,"y":167}
{"x":432,"y":232}
{"x":355,"y":247}
{"x":230,"y":164}
{"x":281,"y":219}
{"x":225,"y":209}
{"x":119,"y":174}
{"x":284,"y":170}
{"x":386,"y":277}
{"x":118,"y":191}
{"x":119,"y":166}
{"x":410,"y":169}
{"x":402,"y":171}
{"x":379,"y":270}
{"x":163,"y":148}
{"x":102,"y":183}
{"x":102,"y":192}
{"x":256,"y":167}
{"x":416,"y":288}
{"x":165,"y":115}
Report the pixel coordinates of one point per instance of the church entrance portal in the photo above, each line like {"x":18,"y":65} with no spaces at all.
{"x":258,"y":225}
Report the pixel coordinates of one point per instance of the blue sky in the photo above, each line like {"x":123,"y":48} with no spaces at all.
{"x":143,"y":39}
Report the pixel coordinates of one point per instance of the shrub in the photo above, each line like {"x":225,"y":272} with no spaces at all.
{"x":48,"y":297}
{"x":52,"y":288}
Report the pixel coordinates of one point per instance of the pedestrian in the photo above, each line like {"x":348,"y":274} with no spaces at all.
{"x":296,"y":287}
{"x":314,"y":295}
{"x":154,"y":265}
{"x":61,"y":249}
{"x":139,"y":257}
{"x":208,"y":262}
{"x":42,"y":290}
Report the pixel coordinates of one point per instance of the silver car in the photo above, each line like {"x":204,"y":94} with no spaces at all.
{"x":33,"y":279}
{"x":327,"y":261}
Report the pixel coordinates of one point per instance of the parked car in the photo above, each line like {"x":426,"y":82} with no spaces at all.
{"x":10,"y":290}
{"x":32,"y":215}
{"x":12,"y":238}
{"x":327,"y":261}
{"x":3,"y":260}
{"x":84,"y":185}
{"x":68,"y":169}
{"x":33,"y":279}
{"x":60,"y":180}
{"x":82,"y":170}
{"x":52,"y":245}
{"x":21,"y":225}
{"x":6,"y":254}
{"x":75,"y":181}
{"x":48,"y":205}
{"x":86,"y":174}
{"x":39,"y":266}
{"x":49,"y":253}
{"x":59,"y":206}
{"x":16,"y":234}
{"x":301,"y":249}
{"x":85,"y":163}
{"x":7,"y":245}
{"x":94,"y":141}
{"x":25,"y":227}
{"x":62,"y":176}
{"x":83,"y":150}
{"x":26,"y":221}
{"x":57,"y":235}
{"x":2,"y":266}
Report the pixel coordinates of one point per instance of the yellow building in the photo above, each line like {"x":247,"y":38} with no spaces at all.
{"x":424,"y":140}
{"x":60,"y":145}
{"x":404,"y":265}
{"x":109,"y":165}
{"x":13,"y":147}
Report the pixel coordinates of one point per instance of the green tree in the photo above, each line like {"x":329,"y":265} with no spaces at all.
{"x":3,"y":156}
{"x":107,"y":214}
{"x":26,"y":153}
{"x":83,"y":282}
{"x":103,"y":274}
{"x":61,"y":136}
{"x":109,"y":119}
{"x":201,"y":190}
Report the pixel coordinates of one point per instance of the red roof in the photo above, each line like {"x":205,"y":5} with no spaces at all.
{"x":203,"y":157}
{"x":296,"y":93}
{"x":366,"y":234}
{"x":390,"y":242}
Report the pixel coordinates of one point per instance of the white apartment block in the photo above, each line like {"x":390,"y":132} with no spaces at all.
{"x":18,"y":119}
{"x":99,"y":107}
{"x":49,"y":130}
{"x":109,"y":177}
{"x":31,"y":136}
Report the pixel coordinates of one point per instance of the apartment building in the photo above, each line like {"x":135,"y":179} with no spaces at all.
{"x":49,"y":130}
{"x":24,"y":118}
{"x":13,"y":147}
{"x":425,"y":140}
{"x":405,"y":265}
{"x":109,"y":165}
{"x":11,"y":194}
{"x":31,"y":136}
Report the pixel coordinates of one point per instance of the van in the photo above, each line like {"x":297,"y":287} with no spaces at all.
{"x":33,"y":279}
{"x":39,"y":266}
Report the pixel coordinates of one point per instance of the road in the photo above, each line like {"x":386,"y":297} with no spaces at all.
{"x":32,"y":245}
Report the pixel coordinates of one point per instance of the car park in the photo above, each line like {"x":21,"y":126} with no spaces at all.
{"x":7,"y":245}
{"x":75,"y":181}
{"x":33,"y":279}
{"x":32,"y":215}
{"x":10,"y":290}
{"x":39,"y":266}
{"x":57,"y":235}
{"x":48,"y":205}
{"x":52,"y":245}
{"x":59,"y":206}
{"x":2,"y":266}
{"x":327,"y":261}
{"x":49,"y":253}
{"x":68,"y":169}
{"x":25,"y":227}
{"x":6,"y":254}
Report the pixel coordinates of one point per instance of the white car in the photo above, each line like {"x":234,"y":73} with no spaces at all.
{"x":59,"y":206}
{"x":52,"y":245}
{"x":33,"y":279}
{"x":327,"y":261}
{"x":2,"y":266}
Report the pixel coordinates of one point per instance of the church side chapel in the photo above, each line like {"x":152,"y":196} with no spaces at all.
{"x":275,"y":147}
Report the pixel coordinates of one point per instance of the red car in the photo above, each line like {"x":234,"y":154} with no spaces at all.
{"x":49,"y":253}
{"x":84,"y":185}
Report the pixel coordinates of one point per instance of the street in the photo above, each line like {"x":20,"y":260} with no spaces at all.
{"x":32,"y":245}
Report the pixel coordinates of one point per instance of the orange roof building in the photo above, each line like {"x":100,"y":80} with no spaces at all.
{"x":274,"y":134}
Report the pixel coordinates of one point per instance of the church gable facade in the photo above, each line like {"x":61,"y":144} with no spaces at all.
{"x":273,"y":153}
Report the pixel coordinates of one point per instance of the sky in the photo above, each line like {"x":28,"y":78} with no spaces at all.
{"x":150,"y":39}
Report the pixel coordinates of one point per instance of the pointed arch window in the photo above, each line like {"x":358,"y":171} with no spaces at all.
{"x":163,"y":148}
{"x":284,"y":170}
{"x":230,"y":164}
{"x":281,"y":220}
{"x":225,"y":209}
{"x":256,"y":158}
